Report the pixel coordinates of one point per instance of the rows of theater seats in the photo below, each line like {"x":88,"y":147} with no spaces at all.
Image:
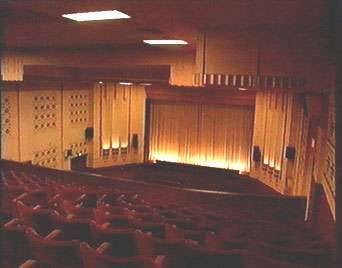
{"x":46,"y":222}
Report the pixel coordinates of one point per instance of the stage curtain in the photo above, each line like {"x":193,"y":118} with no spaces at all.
{"x":208,"y":135}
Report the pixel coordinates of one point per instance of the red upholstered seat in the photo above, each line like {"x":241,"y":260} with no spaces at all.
{"x":252,"y":260}
{"x":77,"y":210}
{"x":171,"y":247}
{"x":54,"y":253}
{"x":14,"y":246}
{"x":79,"y":229}
{"x":303,"y":256}
{"x":33,"y":198}
{"x":121,"y":239}
{"x":35,"y":217}
{"x":202,"y":257}
{"x":92,"y":259}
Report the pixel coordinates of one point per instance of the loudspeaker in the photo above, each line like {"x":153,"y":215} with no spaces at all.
{"x":89,"y":133}
{"x":135,"y":141}
{"x":256,"y":153}
{"x":290,"y":153}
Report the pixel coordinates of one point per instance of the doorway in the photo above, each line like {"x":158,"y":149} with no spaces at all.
{"x":79,"y":163}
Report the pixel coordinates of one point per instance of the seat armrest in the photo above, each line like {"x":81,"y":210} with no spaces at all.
{"x":12,"y":223}
{"x":37,"y":207}
{"x":159,"y":261}
{"x":104,"y":248}
{"x":54,"y":235}
{"x":30,"y":264}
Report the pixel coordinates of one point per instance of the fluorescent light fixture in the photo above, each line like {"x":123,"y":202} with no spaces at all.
{"x":145,"y":84}
{"x":165,"y":42}
{"x":97,"y":15}
{"x":126,"y":83}
{"x":243,"y":89}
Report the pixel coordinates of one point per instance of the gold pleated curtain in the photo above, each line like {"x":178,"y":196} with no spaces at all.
{"x":207,"y":135}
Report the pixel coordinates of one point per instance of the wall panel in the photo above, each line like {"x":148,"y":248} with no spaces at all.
{"x":182,"y":63}
{"x":40,"y":125}
{"x":41,"y":120}
{"x":9,"y":123}
{"x":119,"y":113}
{"x":76,"y":112}
{"x":281,"y":122}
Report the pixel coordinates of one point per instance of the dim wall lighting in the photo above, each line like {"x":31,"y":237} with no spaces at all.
{"x":97,"y":15}
{"x":165,"y":42}
{"x":125,"y":83}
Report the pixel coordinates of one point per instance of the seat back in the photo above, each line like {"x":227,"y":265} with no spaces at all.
{"x":54,"y":253}
{"x":38,"y":218}
{"x":122,"y":240}
{"x":92,"y":259}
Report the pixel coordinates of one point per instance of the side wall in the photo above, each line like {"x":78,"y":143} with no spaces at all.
{"x":41,"y":121}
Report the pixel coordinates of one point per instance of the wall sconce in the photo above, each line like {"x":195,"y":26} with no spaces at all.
{"x":115,"y":151}
{"x":276,"y":173}
{"x":124,"y":150}
{"x":105,"y":152}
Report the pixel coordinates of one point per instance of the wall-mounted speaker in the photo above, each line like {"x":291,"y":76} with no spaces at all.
{"x":290,"y":152}
{"x":135,"y":141}
{"x":89,"y":133}
{"x":256,"y":153}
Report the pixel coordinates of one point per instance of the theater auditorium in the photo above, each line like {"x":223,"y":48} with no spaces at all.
{"x":169,"y":134}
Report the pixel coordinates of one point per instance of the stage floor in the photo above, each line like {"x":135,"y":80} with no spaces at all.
{"x":209,"y":179}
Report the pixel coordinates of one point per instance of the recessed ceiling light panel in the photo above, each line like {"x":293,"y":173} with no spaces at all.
{"x":166,"y":42}
{"x":97,"y":15}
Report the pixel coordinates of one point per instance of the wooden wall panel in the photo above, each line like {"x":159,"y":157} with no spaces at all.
{"x":119,"y":112}
{"x":182,"y":63}
{"x":205,"y":95}
{"x":329,"y":167}
{"x":280,"y":121}
{"x":11,"y":66}
{"x":231,"y":52}
{"x":293,"y":54}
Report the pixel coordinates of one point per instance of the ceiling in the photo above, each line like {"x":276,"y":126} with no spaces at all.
{"x":38,"y":23}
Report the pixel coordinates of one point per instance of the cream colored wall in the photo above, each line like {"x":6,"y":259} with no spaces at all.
{"x":40,"y":121}
{"x":41,"y":127}
{"x":9,"y":124}
{"x":76,"y":110}
{"x":119,"y":112}
{"x":182,"y":63}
